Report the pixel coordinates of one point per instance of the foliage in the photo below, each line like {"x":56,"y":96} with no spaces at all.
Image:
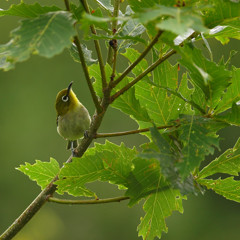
{"x":182,"y":112}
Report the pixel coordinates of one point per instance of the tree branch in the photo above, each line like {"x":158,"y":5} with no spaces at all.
{"x":86,"y":73}
{"x":140,"y":76}
{"x":143,"y":54}
{"x":114,"y":30}
{"x":98,"y":49}
{"x":92,"y":201}
{"x":118,"y":134}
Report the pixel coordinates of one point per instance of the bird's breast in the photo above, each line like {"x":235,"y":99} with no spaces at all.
{"x":74,"y":123}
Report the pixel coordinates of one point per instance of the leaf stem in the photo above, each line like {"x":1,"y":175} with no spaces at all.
{"x":98,"y":48}
{"x":92,"y":201}
{"x":140,"y":76}
{"x":143,"y":54}
{"x":117,"y":134}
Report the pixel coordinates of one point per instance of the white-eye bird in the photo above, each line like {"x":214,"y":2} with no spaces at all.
{"x":73,"y":119}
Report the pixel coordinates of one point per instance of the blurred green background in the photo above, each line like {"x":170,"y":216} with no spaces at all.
{"x":28,"y":132}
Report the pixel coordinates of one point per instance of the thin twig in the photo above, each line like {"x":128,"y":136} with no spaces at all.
{"x":110,"y":58}
{"x":143,"y":54}
{"x":140,"y":76}
{"x":92,"y":201}
{"x":86,"y":73}
{"x":98,"y":48}
{"x":118,"y":134}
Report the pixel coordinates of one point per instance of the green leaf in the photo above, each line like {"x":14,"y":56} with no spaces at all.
{"x":98,"y":13}
{"x":94,"y":71}
{"x":228,"y":187}
{"x":105,"y":4}
{"x":73,"y":176}
{"x":197,"y":143}
{"x":41,"y":172}
{"x":133,"y":28}
{"x":228,"y":162}
{"x":108,"y":162}
{"x":211,"y":78}
{"x":87,"y":54}
{"x":28,"y":11}
{"x":139,"y":6}
{"x":128,"y":103}
{"x":146,"y":182}
{"x":46,"y":35}
{"x":224,"y":33}
{"x":232,"y":94}
{"x":164,"y":154}
{"x":232,"y":116}
{"x":173,"y":19}
{"x":132,"y":54}
{"x":222,"y":12}
{"x":77,"y":11}
{"x":167,"y":156}
{"x":163,"y":107}
{"x":159,"y":206}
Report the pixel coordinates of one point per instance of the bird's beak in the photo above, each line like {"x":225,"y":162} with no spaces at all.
{"x":69,"y":88}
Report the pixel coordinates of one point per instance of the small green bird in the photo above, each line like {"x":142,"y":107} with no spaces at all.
{"x":73,"y":119}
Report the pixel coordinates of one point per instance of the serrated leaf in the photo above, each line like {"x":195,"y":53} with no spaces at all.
{"x":197,"y":143}
{"x":75,"y":175}
{"x":105,"y":4}
{"x":87,"y":54}
{"x":133,"y":28}
{"x":161,"y":150}
{"x":173,"y":19}
{"x":228,"y":162}
{"x":77,"y":11}
{"x":138,"y":6}
{"x":41,"y":172}
{"x":163,"y":154}
{"x":132,"y":54}
{"x":163,"y":107}
{"x":117,"y":161}
{"x":146,"y":182}
{"x":221,"y":12}
{"x":232,"y":116}
{"x":46,"y":35}
{"x":228,"y":187}
{"x":94,"y":71}
{"x":232,"y":94}
{"x":28,"y":11}
{"x":128,"y":103}
{"x":210,"y":77}
{"x":159,"y":206}
{"x":108,"y":162}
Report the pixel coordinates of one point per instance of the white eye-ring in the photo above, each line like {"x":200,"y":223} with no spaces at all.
{"x":65,"y":98}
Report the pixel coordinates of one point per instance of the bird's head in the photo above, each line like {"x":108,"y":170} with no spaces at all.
{"x":66,"y":100}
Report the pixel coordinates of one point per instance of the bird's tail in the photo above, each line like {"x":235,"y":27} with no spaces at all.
{"x":73,"y":144}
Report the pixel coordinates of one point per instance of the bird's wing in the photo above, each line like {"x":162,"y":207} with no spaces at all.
{"x":57,"y":120}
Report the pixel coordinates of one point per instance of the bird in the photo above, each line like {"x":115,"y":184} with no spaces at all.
{"x":73,"y":119}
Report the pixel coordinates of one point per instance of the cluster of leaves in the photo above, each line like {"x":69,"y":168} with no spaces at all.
{"x":196,"y":104}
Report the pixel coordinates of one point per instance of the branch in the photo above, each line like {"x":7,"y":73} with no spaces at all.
{"x":114,"y":29}
{"x":85,"y":70}
{"x":84,"y":66}
{"x":97,"y":47}
{"x":92,"y":201}
{"x":117,"y":134}
{"x":140,"y":76}
{"x":143,"y":54}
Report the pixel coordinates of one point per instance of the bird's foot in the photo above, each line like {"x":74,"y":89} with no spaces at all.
{"x":86,"y":134}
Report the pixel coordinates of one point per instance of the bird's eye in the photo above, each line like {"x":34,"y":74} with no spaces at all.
{"x":65,"y":98}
